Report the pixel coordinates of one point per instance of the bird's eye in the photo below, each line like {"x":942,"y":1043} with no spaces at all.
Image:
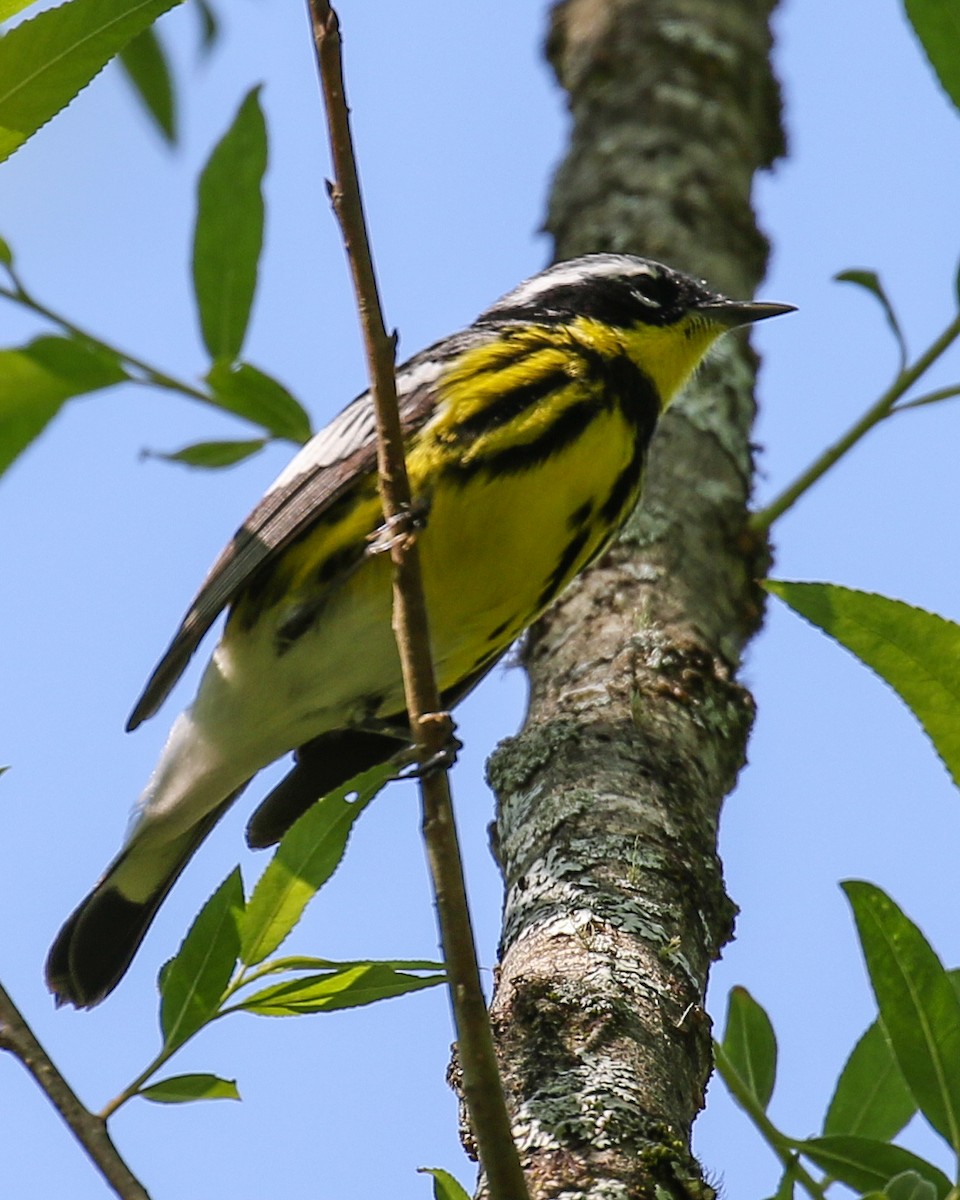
{"x":648,"y":290}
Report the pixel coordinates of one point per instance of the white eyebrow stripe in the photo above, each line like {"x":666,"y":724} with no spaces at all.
{"x":575,"y":271}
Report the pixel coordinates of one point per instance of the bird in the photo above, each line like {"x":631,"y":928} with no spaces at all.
{"x":526,"y":436}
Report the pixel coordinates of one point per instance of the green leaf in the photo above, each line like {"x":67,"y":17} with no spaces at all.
{"x":85,"y":366}
{"x":229,"y":230}
{"x":29,"y":399}
{"x":307,"y":963}
{"x":916,"y":652}
{"x":209,"y":25}
{"x":192,"y":984}
{"x":211,"y":454}
{"x":917,"y":1002}
{"x":10,"y":8}
{"x":248,"y":392}
{"x":180,"y":1089}
{"x":445,"y":1187}
{"x":908,"y":1185}
{"x":870,"y":280}
{"x":36,"y":380}
{"x":350,"y":988}
{"x":6,"y":254}
{"x":871,"y":1098}
{"x":47,"y":60}
{"x":145,"y":62}
{"x":750,"y":1046}
{"x":306,"y":858}
{"x":937,"y":24}
{"x":866,"y":1165}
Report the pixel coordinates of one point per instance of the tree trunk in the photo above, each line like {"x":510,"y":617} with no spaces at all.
{"x":610,"y":796}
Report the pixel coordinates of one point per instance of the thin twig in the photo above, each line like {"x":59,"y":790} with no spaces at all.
{"x":19,"y":295}
{"x":89,"y":1129}
{"x":133,"y":1088}
{"x":877,"y":412}
{"x":430,"y":729}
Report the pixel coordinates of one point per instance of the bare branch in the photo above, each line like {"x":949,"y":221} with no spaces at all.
{"x":89,"y":1129}
{"x":431,"y":730}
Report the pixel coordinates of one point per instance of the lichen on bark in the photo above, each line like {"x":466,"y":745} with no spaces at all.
{"x":609,"y":798}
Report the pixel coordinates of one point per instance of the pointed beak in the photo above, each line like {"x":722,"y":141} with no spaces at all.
{"x":731,"y":313}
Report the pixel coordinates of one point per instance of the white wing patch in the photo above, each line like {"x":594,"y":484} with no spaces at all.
{"x":345,"y":433}
{"x":355,"y":426}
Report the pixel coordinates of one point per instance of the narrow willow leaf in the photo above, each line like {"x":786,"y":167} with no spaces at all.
{"x":918,"y":1005}
{"x":250,"y":393}
{"x":192,"y":983}
{"x":445,"y":1187}
{"x":6,"y":254}
{"x":866,"y":1165}
{"x":750,"y":1045}
{"x":871,"y":1098}
{"x":870,"y":281}
{"x":228,"y":234}
{"x":937,"y":24}
{"x":47,"y":60}
{"x":29,"y":400}
{"x":211,"y":454}
{"x":181,"y":1089}
{"x":307,"y":963}
{"x":306,"y":858}
{"x":910,"y":1186}
{"x":148,"y":69}
{"x":162,"y":974}
{"x":916,"y":652}
{"x":37,"y":380}
{"x":352,"y":988}
{"x":10,"y":8}
{"x":83,"y":365}
{"x":209,"y":25}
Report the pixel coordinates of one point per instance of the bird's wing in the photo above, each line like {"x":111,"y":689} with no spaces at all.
{"x":326,"y":466}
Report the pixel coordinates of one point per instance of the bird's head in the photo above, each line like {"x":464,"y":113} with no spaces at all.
{"x":664,"y":320}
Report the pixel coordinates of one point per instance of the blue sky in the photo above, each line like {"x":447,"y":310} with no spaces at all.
{"x":459,"y":127}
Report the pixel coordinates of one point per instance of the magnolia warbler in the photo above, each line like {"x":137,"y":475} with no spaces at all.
{"x":525,"y":441}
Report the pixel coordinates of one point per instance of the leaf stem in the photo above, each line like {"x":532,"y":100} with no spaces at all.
{"x":884,"y":407}
{"x":88,"y":1128}
{"x":241,"y":979}
{"x":430,"y":729}
{"x":782,"y":1146}
{"x":150,"y":374}
{"x":151,"y":1069}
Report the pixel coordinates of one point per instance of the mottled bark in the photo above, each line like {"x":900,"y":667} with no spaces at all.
{"x":610,"y":797}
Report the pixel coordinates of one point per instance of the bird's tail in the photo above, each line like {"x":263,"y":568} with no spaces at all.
{"x":97,"y":943}
{"x":323,"y":764}
{"x":197,"y":778}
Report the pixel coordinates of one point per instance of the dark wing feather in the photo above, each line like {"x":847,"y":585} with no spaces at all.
{"x":315,"y":478}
